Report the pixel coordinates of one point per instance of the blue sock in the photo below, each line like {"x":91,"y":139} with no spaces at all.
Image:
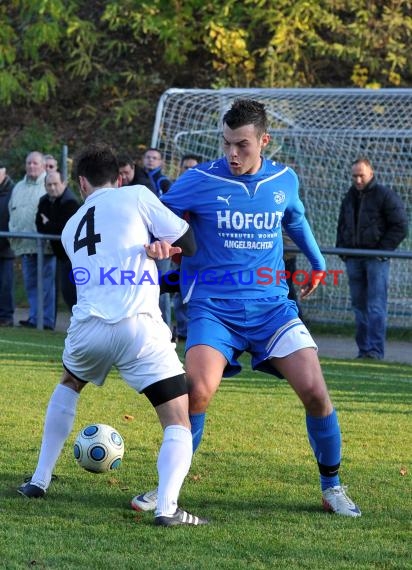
{"x":198,"y":423}
{"x":325,"y":440}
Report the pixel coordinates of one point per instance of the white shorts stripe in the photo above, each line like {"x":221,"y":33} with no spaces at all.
{"x":291,"y":337}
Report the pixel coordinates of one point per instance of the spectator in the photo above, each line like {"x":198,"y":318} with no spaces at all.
{"x":129,"y":172}
{"x":371,"y":217}
{"x":180,"y":311}
{"x":6,"y":253}
{"x":51,"y":163}
{"x":23,"y":205}
{"x":152,"y":169}
{"x":54,"y":210}
{"x":189,"y":161}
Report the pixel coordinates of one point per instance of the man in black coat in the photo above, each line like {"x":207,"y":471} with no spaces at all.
{"x":128,"y":171}
{"x":371,"y":217}
{"x":54,"y":210}
{"x":6,"y":253}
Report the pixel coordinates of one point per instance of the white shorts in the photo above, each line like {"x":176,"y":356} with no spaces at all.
{"x":139,"y":347}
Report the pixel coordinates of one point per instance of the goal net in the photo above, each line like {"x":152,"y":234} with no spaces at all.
{"x":319,"y":132}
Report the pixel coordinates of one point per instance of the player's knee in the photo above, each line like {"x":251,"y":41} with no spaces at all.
{"x":315,"y":397}
{"x":199,"y":398}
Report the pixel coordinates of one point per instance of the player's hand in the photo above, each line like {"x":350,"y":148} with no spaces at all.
{"x":315,"y":279}
{"x":161,"y":250}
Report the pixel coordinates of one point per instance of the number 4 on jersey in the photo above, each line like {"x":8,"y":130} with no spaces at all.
{"x":91,"y":238}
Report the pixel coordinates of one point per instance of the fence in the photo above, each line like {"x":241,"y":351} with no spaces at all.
{"x":313,"y":309}
{"x":40,"y":258}
{"x":319,"y":132}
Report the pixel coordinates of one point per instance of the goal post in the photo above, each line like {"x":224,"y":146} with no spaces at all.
{"x":319,"y":132}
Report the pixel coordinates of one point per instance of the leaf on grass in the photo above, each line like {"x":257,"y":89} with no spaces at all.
{"x":128,"y":418}
{"x":112,"y":481}
{"x":196,"y":477}
{"x":403,"y":471}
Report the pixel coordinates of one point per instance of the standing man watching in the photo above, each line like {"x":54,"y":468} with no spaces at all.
{"x":55,"y":208}
{"x":6,"y":253}
{"x":371,"y":217}
{"x":152,"y":168}
{"x":189,"y":161}
{"x":23,"y":209}
{"x":128,"y":171}
{"x":51,"y":163}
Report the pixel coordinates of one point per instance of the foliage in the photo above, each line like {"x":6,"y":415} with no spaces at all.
{"x":253,"y":475}
{"x":96,"y":69}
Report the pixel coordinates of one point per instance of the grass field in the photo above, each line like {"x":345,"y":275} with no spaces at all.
{"x":254,"y":475}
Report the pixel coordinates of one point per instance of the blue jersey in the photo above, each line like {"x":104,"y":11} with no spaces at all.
{"x":237,"y":221}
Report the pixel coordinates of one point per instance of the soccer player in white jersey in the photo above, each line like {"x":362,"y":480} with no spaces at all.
{"x":237,"y":299}
{"x":117,"y":321}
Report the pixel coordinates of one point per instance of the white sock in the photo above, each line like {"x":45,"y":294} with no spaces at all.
{"x":58,"y":425}
{"x":173,"y":464}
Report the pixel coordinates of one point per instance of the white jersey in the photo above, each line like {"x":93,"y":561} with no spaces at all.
{"x":105,"y":242}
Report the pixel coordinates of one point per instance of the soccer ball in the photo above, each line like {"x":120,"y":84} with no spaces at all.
{"x":99,"y":448}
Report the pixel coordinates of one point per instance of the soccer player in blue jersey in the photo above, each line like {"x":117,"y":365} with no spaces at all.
{"x":237,"y":300}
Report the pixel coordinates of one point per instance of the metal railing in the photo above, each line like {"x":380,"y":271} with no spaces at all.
{"x":40,"y":260}
{"x":339,"y":251}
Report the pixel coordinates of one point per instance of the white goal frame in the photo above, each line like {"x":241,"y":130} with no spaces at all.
{"x":319,"y":132}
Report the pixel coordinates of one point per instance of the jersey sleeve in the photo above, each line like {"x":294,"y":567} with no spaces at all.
{"x":162,"y":223}
{"x":298,"y":228}
{"x":180,"y":196}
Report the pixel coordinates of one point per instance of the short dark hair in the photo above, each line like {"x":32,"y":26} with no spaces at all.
{"x":363,"y":160}
{"x":154,"y":149}
{"x":191,"y":157}
{"x":125,"y":159}
{"x":247,"y":112}
{"x":98,"y":163}
{"x":55,"y":172}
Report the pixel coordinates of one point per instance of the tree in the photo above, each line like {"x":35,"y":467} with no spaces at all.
{"x":90,"y":70}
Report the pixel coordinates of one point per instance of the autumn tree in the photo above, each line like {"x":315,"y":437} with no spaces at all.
{"x":87,"y":70}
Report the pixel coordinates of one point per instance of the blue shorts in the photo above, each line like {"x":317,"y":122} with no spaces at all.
{"x":265,"y":328}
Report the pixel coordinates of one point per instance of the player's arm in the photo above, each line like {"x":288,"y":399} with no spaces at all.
{"x":162,"y":249}
{"x":303,"y":237}
{"x":169,"y":281}
{"x":299,"y":230}
{"x":187,"y":243}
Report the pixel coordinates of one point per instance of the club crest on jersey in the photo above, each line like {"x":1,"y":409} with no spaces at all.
{"x":279,"y":196}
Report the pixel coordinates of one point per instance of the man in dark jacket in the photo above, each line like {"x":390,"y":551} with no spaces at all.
{"x":128,"y":171}
{"x":371,"y":217}
{"x":54,"y":210}
{"x":6,"y":253}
